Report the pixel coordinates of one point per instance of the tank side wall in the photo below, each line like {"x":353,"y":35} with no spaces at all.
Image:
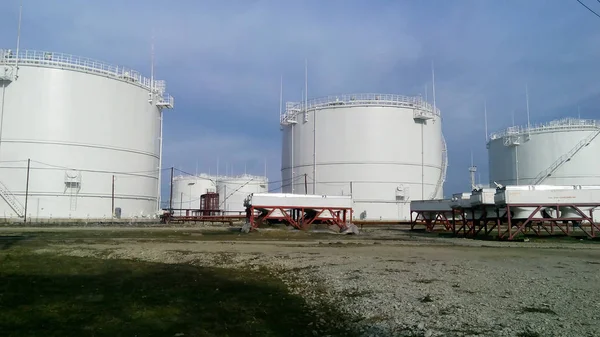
{"x":539,"y":153}
{"x":187,"y":192}
{"x":100,"y":127}
{"x":369,"y":152}
{"x":232,"y":193}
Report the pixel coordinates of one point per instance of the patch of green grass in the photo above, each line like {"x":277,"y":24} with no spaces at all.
{"x":106,"y":235}
{"x":51,"y":295}
{"x":528,"y":333}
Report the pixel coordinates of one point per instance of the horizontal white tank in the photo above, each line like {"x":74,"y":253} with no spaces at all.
{"x":561,"y":152}
{"x":298,"y":200}
{"x":188,"y":189}
{"x":483,"y":196}
{"x":81,"y":122}
{"x":462,"y":200}
{"x":536,"y":195}
{"x":431,"y":209}
{"x":233,"y":190}
{"x":431,"y":205}
{"x":384,"y":150}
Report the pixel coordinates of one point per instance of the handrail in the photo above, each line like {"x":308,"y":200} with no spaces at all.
{"x":61,"y":60}
{"x":364,"y":99}
{"x":256,"y":178}
{"x":11,"y":200}
{"x":556,"y":125}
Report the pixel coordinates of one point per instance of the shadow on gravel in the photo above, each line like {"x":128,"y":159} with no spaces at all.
{"x":49,"y":295}
{"x":7,"y":241}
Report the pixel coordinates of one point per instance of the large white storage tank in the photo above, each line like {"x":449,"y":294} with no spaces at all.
{"x":385,"y":150}
{"x":92,"y":132}
{"x":233,"y":190}
{"x":560,"y":152}
{"x":188,"y":189}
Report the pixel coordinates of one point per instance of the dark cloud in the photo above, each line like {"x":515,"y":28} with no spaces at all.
{"x":222,"y":60}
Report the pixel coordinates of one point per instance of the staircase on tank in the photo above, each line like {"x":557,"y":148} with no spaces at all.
{"x":564,"y":158}
{"x":11,"y":200}
{"x":442,"y":178}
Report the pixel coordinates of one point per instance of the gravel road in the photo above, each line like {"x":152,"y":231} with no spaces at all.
{"x":394,"y":284}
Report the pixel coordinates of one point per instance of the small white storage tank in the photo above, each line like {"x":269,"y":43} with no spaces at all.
{"x":188,"y":189}
{"x":92,"y":132}
{"x":233,"y":190}
{"x":561,"y":152}
{"x":385,"y":150}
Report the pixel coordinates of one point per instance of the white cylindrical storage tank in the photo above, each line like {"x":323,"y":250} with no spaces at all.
{"x":233,"y":190}
{"x":188,"y":189}
{"x":92,"y":132}
{"x":560,"y":152}
{"x":385,"y":150}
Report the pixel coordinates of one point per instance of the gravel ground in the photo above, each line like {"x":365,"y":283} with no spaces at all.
{"x":394,"y":284}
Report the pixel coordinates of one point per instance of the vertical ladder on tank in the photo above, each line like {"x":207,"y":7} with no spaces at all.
{"x":73,"y":185}
{"x":442,"y":178}
{"x":73,"y":204}
{"x":11,"y":200}
{"x":564,"y":158}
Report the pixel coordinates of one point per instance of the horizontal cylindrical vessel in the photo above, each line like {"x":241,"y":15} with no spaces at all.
{"x":92,"y":132}
{"x":561,"y":152}
{"x":384,"y":150}
{"x":188,"y":189}
{"x":233,"y":190}
{"x":554,"y":201}
{"x":298,"y":200}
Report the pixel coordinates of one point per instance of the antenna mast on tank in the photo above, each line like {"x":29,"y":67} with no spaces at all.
{"x":513,"y":117}
{"x":433,"y":85}
{"x":18,"y":40}
{"x":314,"y":126}
{"x":281,"y":96}
{"x":527,"y":100}
{"x":485,"y":120}
{"x":472,"y":170}
{"x":152,"y":63}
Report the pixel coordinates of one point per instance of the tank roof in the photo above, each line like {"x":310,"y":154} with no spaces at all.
{"x":564,"y":124}
{"x":241,"y":177}
{"x":362,"y":99}
{"x":66,"y":61}
{"x":194,"y":177}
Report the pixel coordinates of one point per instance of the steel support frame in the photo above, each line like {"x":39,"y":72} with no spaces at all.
{"x":463,"y":224}
{"x":545,"y":222}
{"x":487,"y":221}
{"x":168,"y":218}
{"x":298,"y":217}
{"x":419,"y":218}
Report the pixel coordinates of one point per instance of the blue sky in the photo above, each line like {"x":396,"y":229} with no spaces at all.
{"x":222,"y":61}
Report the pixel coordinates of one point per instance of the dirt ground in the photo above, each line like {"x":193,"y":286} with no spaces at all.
{"x":389,"y":282}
